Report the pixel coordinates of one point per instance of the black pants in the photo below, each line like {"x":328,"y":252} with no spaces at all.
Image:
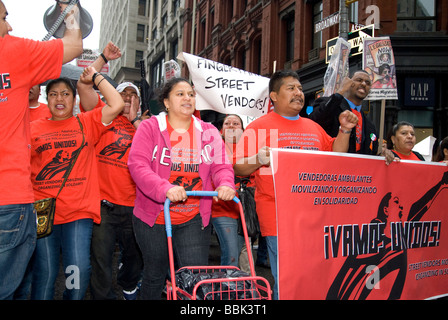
{"x":115,"y":226}
{"x":191,"y":243}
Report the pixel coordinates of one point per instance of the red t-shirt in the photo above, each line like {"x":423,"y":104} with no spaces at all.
{"x":41,"y":111}
{"x":230,"y":208}
{"x":412,"y":156}
{"x":112,"y":151}
{"x":274,"y":131}
{"x":23,"y":64}
{"x":54,"y":146}
{"x":185,"y":173}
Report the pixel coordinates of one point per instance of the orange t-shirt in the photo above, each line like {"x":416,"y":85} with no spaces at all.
{"x":112,"y":151}
{"x":41,"y":111}
{"x":230,"y":208}
{"x":185,"y":173}
{"x":274,"y":131}
{"x":412,"y":156}
{"x":54,"y":145}
{"x":23,"y":64}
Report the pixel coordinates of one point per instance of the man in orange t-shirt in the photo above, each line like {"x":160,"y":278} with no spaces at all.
{"x":117,"y":190}
{"x":37,"y":109}
{"x":282,"y":128}
{"x":23,"y":64}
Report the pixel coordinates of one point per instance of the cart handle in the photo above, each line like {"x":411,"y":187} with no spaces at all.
{"x":166,"y":207}
{"x":166,"y":210}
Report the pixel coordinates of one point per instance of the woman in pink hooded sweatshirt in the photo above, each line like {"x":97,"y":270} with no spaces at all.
{"x":172,"y":153}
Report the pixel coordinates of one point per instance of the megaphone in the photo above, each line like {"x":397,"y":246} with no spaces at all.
{"x":53,"y":13}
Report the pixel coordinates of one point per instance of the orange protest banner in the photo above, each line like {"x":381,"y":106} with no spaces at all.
{"x":352,"y":227}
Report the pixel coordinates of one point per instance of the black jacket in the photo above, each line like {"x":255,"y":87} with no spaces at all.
{"x":326,"y":113}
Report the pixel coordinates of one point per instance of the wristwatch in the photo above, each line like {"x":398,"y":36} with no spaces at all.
{"x":136,"y":118}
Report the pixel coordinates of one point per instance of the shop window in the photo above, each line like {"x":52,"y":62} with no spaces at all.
{"x":416,"y":15}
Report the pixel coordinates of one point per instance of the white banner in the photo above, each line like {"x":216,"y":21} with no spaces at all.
{"x":226,"y":89}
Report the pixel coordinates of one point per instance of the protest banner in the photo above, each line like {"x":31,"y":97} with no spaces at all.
{"x":226,"y":89}
{"x":338,"y":67}
{"x":352,"y":227}
{"x":378,"y":60}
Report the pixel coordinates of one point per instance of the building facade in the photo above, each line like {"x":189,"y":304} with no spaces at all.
{"x":126,"y":23}
{"x":261,"y":36}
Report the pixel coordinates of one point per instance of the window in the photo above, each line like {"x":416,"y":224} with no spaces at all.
{"x":138,"y":57}
{"x":164,"y":23}
{"x":317,"y":16}
{"x":176,"y":6}
{"x":416,"y":15}
{"x":174,"y":49}
{"x":155,"y":5}
{"x":290,"y":37}
{"x":140,"y":33}
{"x":142,"y":7}
{"x":353,"y":13}
{"x":157,"y":73}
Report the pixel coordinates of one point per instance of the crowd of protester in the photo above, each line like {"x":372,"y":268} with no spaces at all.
{"x":128,"y":163}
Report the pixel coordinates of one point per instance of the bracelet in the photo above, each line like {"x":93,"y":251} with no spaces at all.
{"x":94,"y":77}
{"x":344,"y":131}
{"x":100,"y":82}
{"x":136,"y":119}
{"x":104,"y":57}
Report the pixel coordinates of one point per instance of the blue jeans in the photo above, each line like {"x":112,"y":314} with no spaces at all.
{"x":191,"y":244}
{"x":271,"y":242}
{"x":73,"y":239}
{"x":17,"y":243}
{"x":230,"y":241}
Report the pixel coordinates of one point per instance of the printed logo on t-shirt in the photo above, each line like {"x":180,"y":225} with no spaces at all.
{"x":117,"y":148}
{"x":60,"y":163}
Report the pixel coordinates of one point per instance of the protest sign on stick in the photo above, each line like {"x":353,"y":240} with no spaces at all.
{"x":227,"y":89}
{"x":378,"y":60}
{"x":172,"y":70}
{"x":338,"y":67}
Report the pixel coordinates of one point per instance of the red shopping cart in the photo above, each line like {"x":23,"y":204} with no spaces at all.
{"x":215,"y":282}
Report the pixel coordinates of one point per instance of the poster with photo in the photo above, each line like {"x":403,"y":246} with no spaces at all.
{"x":379,"y":62}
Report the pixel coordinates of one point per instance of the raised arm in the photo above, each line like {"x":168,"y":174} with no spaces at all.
{"x":87,"y":95}
{"x":72,"y":38}
{"x":115,"y":103}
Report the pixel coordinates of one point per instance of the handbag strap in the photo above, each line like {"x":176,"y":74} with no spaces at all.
{"x":72,"y":164}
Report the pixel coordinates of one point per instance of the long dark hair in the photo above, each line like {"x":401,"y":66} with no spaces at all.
{"x":439,"y":156}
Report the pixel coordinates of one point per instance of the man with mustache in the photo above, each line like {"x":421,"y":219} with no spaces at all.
{"x":351,"y":94}
{"x":282,"y":128}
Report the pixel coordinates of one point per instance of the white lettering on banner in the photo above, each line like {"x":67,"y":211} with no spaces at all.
{"x":227,"y":89}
